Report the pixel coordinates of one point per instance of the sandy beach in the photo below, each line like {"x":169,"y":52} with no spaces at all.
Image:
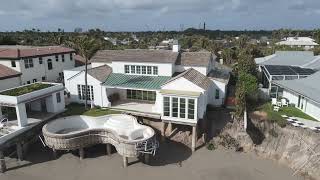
{"x":173,"y":161}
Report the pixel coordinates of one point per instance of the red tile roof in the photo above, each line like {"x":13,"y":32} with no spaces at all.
{"x":6,"y":72}
{"x":16,"y":52}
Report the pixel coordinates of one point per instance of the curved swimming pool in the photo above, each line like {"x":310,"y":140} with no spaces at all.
{"x":122,"y":131}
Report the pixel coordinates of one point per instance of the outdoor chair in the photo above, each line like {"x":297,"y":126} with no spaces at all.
{"x":284,"y":102}
{"x":276,"y":108}
{"x":274,"y":101}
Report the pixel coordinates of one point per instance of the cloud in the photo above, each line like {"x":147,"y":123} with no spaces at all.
{"x":127,"y":13}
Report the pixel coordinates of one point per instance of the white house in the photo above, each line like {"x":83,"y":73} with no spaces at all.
{"x":9,"y":78}
{"x":286,"y":65}
{"x":38,"y":64}
{"x":303,"y":93}
{"x":304,"y":42}
{"x":172,"y":85}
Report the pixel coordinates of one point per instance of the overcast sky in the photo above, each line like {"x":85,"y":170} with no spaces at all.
{"x":141,"y":15}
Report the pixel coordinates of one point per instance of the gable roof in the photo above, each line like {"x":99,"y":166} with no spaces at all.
{"x":307,"y":87}
{"x":291,"y":58}
{"x":100,"y":73}
{"x":17,"y":52}
{"x":6,"y":72}
{"x":194,"y":59}
{"x":135,"y":55}
{"x":195,"y":77}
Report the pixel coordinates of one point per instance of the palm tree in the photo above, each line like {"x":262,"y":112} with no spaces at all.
{"x":86,"y":47}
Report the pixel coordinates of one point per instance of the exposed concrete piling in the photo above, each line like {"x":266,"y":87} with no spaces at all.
{"x":108,"y":149}
{"x":54,"y":153}
{"x":194,"y":138}
{"x":19,"y":151}
{"x":3,"y":167}
{"x":146,"y":158}
{"x":125,"y":162}
{"x":81,"y":153}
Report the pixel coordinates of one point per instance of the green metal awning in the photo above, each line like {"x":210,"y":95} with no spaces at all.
{"x":135,"y":81}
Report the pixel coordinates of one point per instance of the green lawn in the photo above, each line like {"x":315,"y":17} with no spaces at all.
{"x":78,"y":109}
{"x":289,"y":111}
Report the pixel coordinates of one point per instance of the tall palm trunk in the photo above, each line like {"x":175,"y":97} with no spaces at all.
{"x":86,"y":83}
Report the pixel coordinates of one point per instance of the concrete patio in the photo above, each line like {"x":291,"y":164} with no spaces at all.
{"x":133,"y":106}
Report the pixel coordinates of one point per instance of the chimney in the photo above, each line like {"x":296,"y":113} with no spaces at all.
{"x":175,"y":46}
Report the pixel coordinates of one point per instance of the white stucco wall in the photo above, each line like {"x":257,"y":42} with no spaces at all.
{"x":293,"y":98}
{"x":313,"y":109}
{"x":310,"y":107}
{"x":182,"y":84}
{"x":39,"y":70}
{"x":99,"y":91}
{"x":10,"y":83}
{"x":222,"y":87}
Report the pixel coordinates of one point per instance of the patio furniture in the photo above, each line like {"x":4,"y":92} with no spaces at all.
{"x":284,"y":102}
{"x":274,"y":101}
{"x":279,"y":104}
{"x":276,"y":108}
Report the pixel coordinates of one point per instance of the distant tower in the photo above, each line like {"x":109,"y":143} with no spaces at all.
{"x":204,"y":26}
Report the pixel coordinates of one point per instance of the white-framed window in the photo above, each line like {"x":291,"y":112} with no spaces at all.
{"x":182,"y":108}
{"x":13,"y":63}
{"x":191,"y":104}
{"x":62,"y":57}
{"x":57,"y":58}
{"x":28,"y":63}
{"x":141,"y":95}
{"x":166,"y":106}
{"x":49,"y":64}
{"x":126,"y":69}
{"x":149,"y":70}
{"x":136,"y":69}
{"x":133,"y":69}
{"x":144,"y":69}
{"x":217,"y":95}
{"x":58,"y":97}
{"x":155,"y":70}
{"x":82,"y":92}
{"x":179,"y":107}
{"x":40,"y":60}
{"x":71,"y":57}
{"x":175,"y":107}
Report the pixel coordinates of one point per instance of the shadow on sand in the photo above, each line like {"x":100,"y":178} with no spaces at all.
{"x":169,"y":152}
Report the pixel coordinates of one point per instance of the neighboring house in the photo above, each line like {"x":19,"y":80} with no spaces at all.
{"x":286,"y":65}
{"x":38,"y":63}
{"x":304,"y":42}
{"x":9,"y":78}
{"x":303,"y":93}
{"x":172,"y":85}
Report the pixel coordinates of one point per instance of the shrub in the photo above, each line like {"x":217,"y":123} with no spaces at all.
{"x":211,"y":146}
